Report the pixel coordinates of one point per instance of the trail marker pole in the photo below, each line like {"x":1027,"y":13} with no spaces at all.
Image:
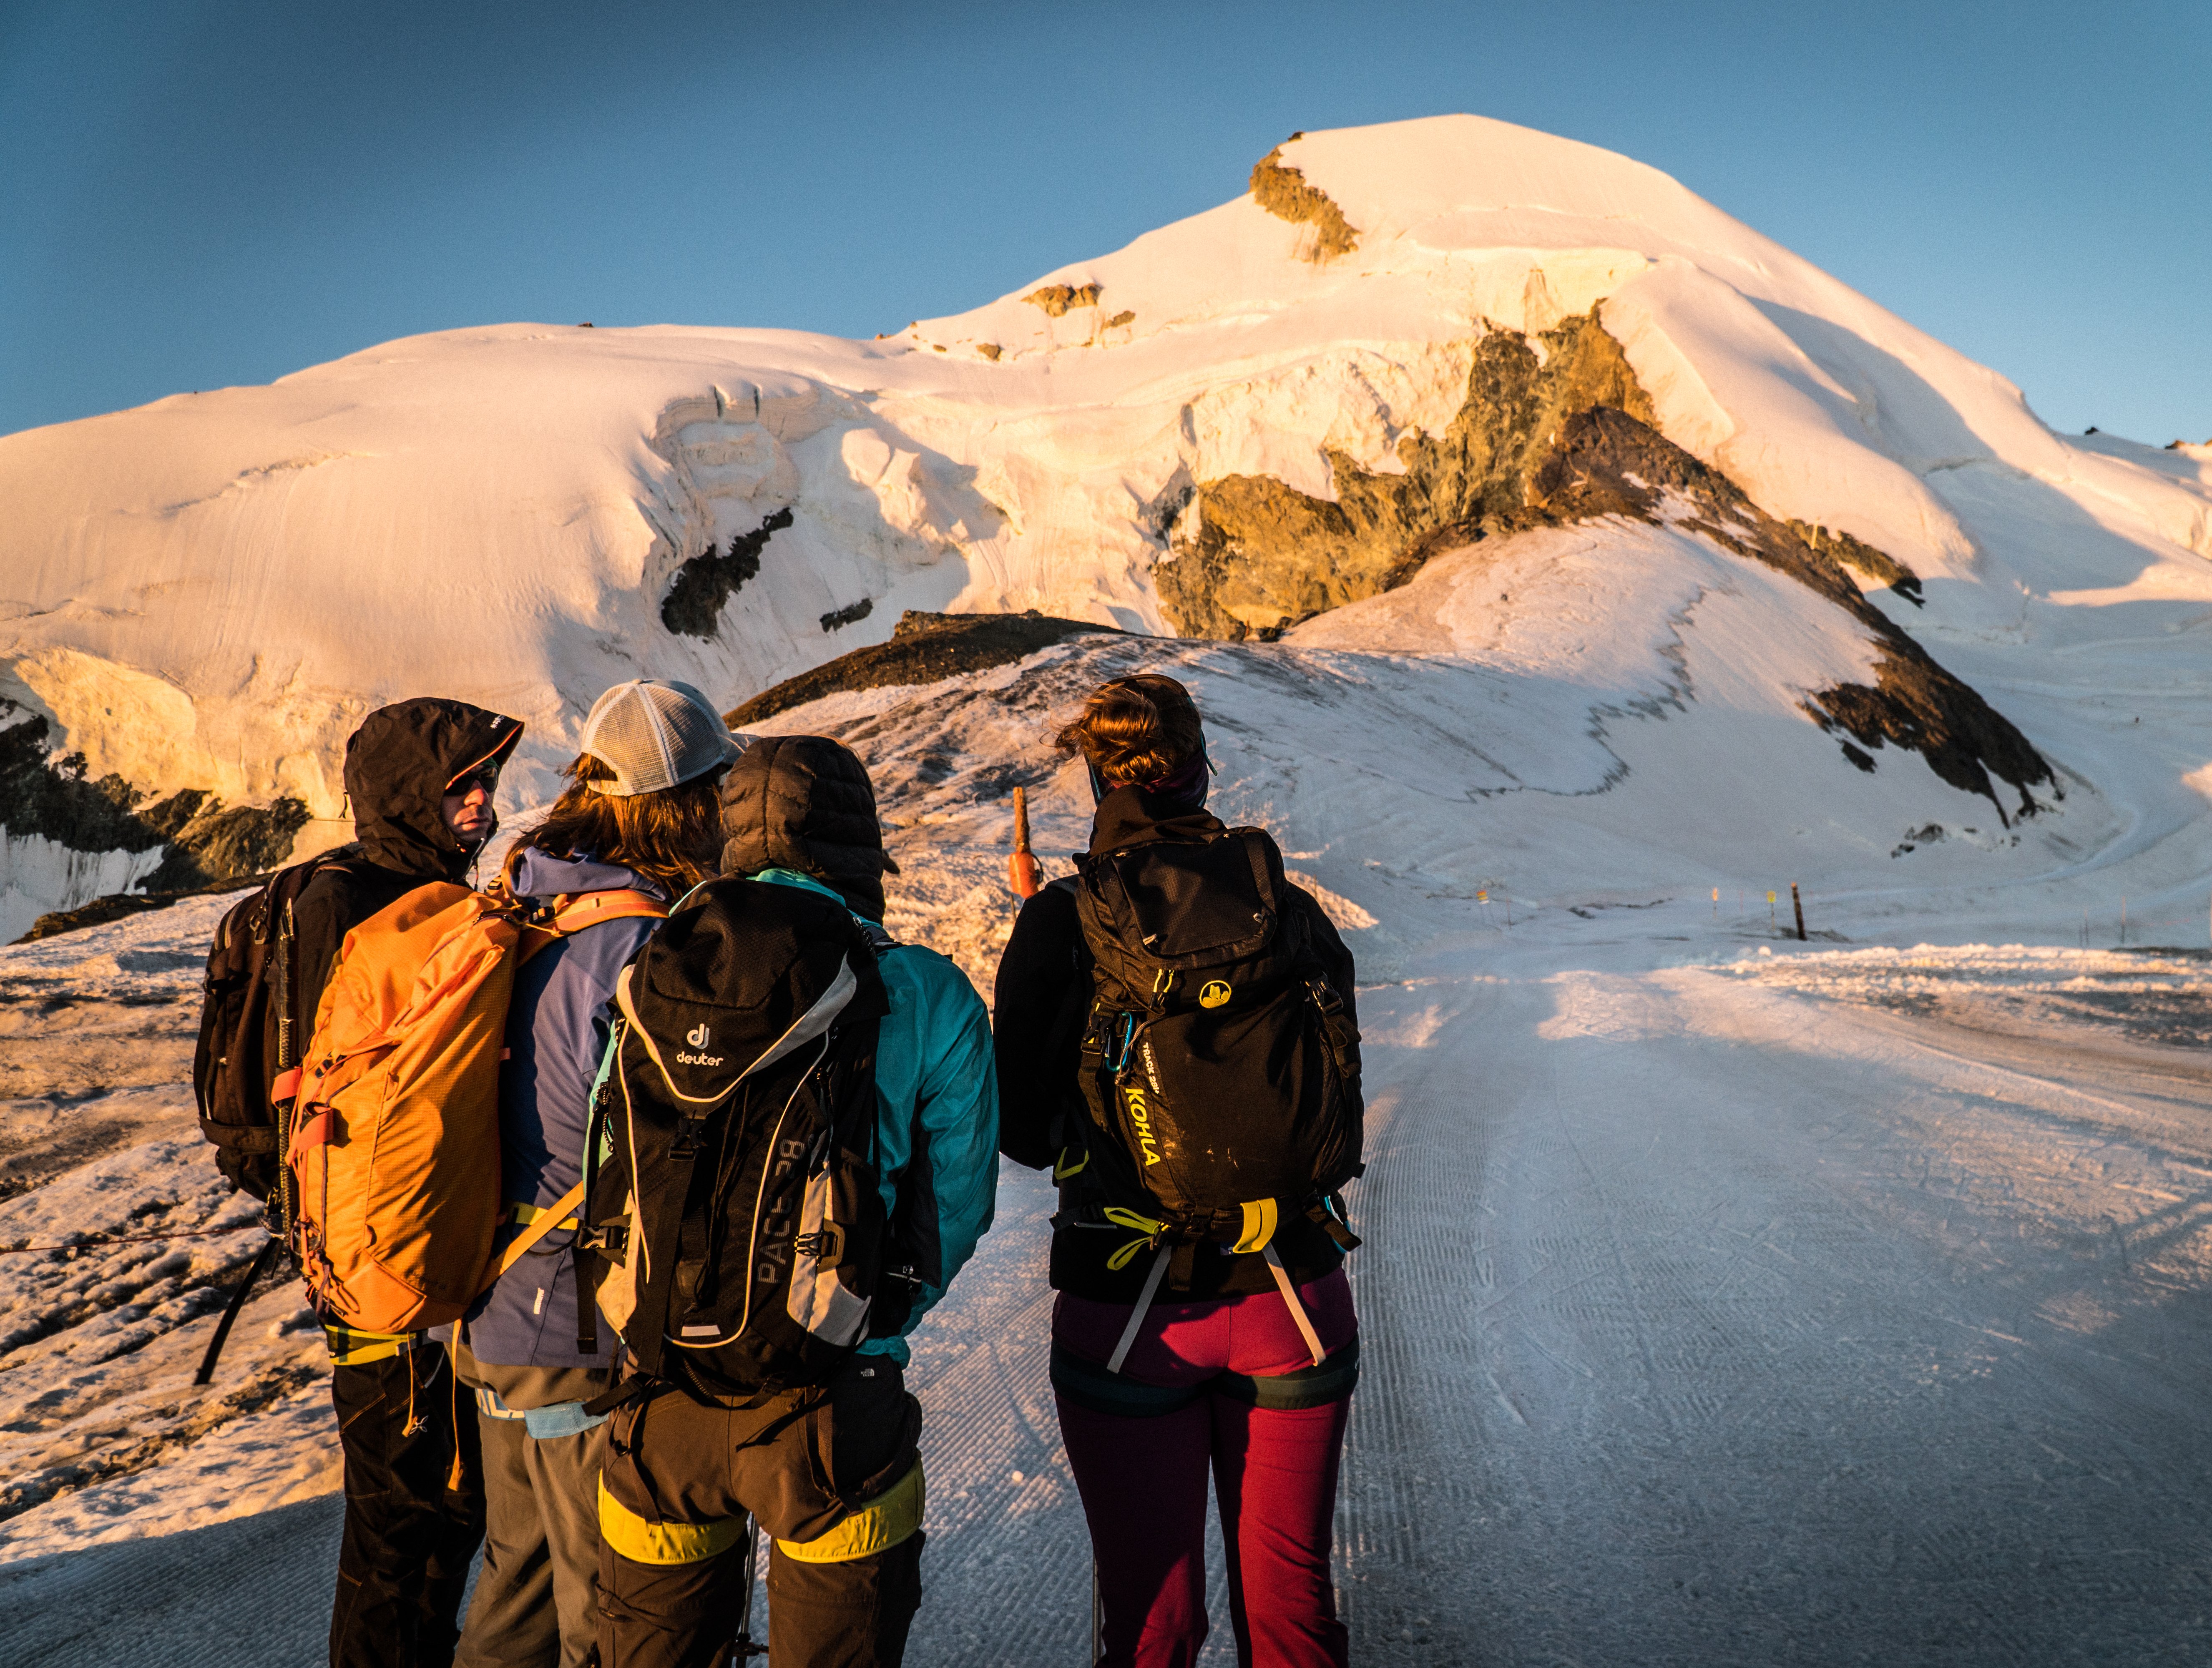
{"x":1770,"y":909}
{"x":1798,"y":904}
{"x":2123,"y":920}
{"x":1716,"y":903}
{"x":1024,"y":874}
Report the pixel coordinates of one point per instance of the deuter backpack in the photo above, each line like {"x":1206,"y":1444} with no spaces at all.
{"x":394,"y":1151}
{"x":730,"y":1170}
{"x":1219,"y":1068}
{"x":251,"y":1033}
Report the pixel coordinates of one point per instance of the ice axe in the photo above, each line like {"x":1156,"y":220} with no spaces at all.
{"x":1024,"y":874}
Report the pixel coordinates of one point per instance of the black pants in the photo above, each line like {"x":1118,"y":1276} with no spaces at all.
{"x":833,"y":1477}
{"x":414,"y":1512}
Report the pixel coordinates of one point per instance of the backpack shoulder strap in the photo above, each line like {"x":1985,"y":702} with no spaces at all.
{"x":573,"y":912}
{"x":552,"y":1216}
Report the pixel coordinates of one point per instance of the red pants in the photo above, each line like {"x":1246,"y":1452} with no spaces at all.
{"x":1215,"y":1376}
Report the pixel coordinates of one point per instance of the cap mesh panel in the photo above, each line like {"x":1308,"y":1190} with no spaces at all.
{"x":654,"y":735}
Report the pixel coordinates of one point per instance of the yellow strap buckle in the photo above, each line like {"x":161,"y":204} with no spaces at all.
{"x":1146,"y":1226}
{"x":1259,"y":1226}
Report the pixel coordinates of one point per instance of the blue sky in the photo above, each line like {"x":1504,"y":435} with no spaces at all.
{"x":199,"y":194}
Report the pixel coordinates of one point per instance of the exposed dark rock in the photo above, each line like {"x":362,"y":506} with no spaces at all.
{"x":990,"y":350}
{"x":43,"y":795}
{"x":1125,"y":317}
{"x":694,"y":603}
{"x":1607,"y":463}
{"x":1057,"y":298}
{"x":1546,"y":441}
{"x":1265,"y":556}
{"x":838,"y":618}
{"x":1283,"y":192}
{"x":1862,"y":557}
{"x":924,"y":648}
{"x":214,"y":845}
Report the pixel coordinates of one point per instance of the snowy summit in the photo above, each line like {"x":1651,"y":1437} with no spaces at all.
{"x":1297,"y":401}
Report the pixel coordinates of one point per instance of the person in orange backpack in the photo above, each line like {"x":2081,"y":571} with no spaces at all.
{"x":638,"y":826}
{"x":420,"y":775}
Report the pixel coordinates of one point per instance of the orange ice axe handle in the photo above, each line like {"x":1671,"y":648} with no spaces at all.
{"x":1024,"y":874}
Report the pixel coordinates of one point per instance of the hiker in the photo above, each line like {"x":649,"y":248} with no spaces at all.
{"x":1175,"y":1033}
{"x":831,"y":1469}
{"x":422,"y":775}
{"x":636,"y":827}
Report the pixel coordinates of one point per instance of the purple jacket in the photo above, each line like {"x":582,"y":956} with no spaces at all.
{"x":557,"y":1026}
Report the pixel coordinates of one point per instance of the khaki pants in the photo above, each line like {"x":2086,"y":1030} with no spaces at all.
{"x":536,"y":1603}
{"x":833,"y":1475}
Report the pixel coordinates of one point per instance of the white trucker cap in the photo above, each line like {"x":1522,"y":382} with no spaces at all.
{"x":653,"y":734}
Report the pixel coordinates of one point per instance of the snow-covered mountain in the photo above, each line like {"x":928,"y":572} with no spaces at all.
{"x":1563,"y":570}
{"x":1254,"y":423}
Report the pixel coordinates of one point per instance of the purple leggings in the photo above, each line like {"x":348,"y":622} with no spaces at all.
{"x":1143,"y":1476}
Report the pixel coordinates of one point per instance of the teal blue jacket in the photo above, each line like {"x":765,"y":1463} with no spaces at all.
{"x":937,"y":1113}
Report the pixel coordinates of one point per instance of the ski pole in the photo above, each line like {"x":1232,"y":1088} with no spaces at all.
{"x":1024,"y":874}
{"x":745,"y":1647}
{"x":253,"y":1271}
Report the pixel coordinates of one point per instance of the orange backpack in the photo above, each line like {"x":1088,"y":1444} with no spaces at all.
{"x":395,"y":1146}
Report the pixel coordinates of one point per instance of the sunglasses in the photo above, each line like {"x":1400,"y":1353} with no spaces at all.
{"x":484,"y":776}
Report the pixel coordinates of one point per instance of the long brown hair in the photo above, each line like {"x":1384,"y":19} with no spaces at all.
{"x":671,"y":837}
{"x":1135,"y":729}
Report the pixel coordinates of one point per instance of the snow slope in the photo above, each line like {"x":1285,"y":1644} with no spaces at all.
{"x":194,"y":590}
{"x":1713,"y":1284}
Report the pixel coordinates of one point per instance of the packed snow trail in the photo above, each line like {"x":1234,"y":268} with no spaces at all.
{"x":1705,"y":1321}
{"x":1701,"y":1331}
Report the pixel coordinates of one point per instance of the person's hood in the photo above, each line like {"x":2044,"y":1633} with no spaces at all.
{"x":806,"y":802}
{"x":398,"y":766}
{"x":1135,"y":815}
{"x":541,"y":875}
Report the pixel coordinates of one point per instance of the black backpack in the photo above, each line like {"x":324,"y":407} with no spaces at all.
{"x":739,"y":1125}
{"x":1217,"y":1063}
{"x":250,"y":1030}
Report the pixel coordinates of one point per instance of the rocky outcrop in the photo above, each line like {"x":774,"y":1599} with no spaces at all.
{"x":43,"y":795}
{"x":1057,"y":298}
{"x":1555,"y":429}
{"x":694,"y":603}
{"x":1862,"y":557}
{"x":1282,"y":191}
{"x":1261,"y":556}
{"x":1607,"y":463}
{"x":205,"y":841}
{"x":924,"y":648}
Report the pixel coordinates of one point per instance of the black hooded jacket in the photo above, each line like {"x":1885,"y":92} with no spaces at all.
{"x":804,"y":802}
{"x":1041,"y":997}
{"x":398,"y":766}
